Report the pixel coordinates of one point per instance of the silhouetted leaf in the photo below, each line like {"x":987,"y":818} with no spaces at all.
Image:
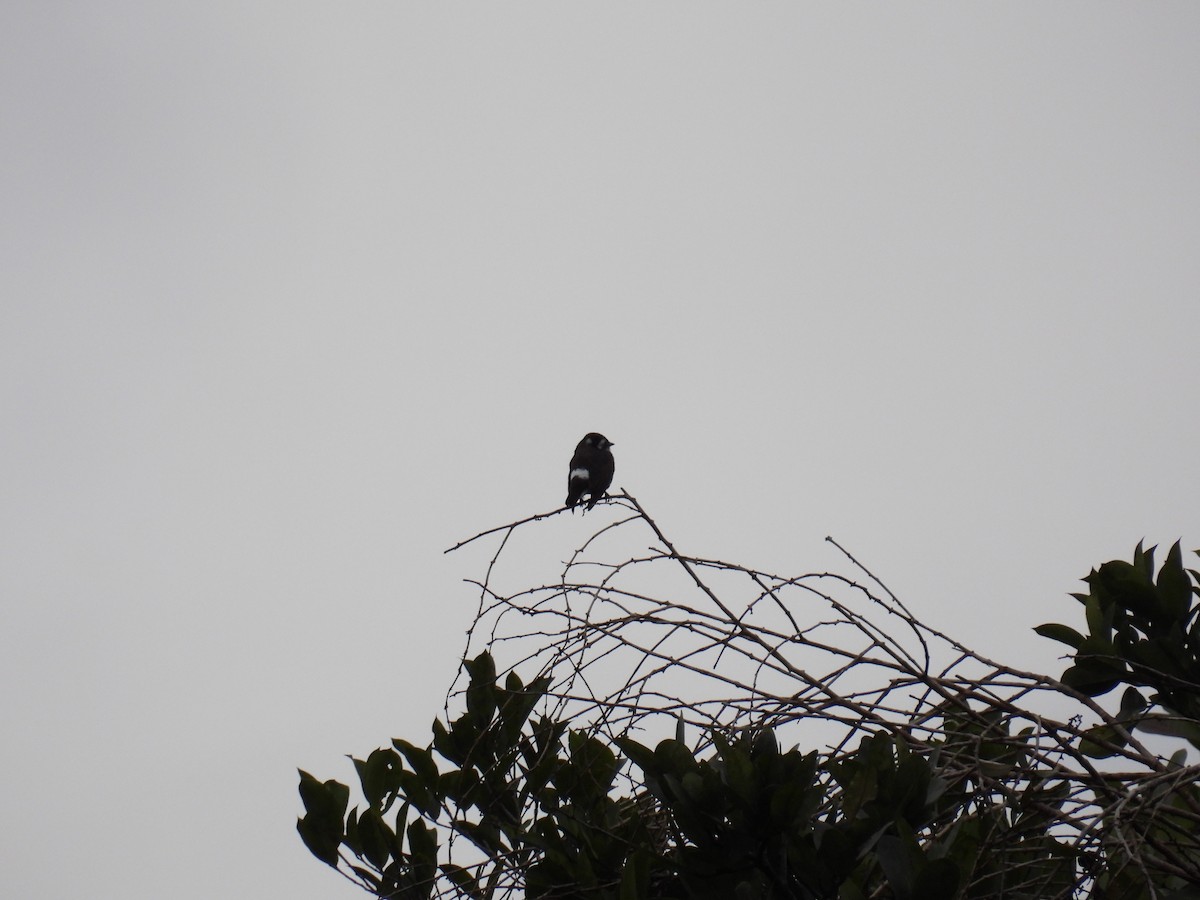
{"x":378,"y":776}
{"x":1099,"y":617}
{"x":518,"y":704}
{"x":321,"y":842}
{"x":1130,"y":587}
{"x":896,"y":858}
{"x":446,"y":743}
{"x":325,"y":800}
{"x":1094,"y":673}
{"x":422,"y":843}
{"x":1132,"y":704}
{"x":1061,"y":633}
{"x":463,"y":880}
{"x":419,"y":759}
{"x":321,"y":828}
{"x":1172,"y":726}
{"x":1174,"y":588}
{"x":1101,"y":742}
{"x":376,"y":838}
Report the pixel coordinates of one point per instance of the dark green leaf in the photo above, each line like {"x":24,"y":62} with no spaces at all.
{"x":420,"y":760}
{"x":486,"y":837}
{"x":642,"y":757}
{"x":1174,"y":588}
{"x":376,"y":838}
{"x":481,"y":705}
{"x":517,"y":705}
{"x":465,"y":734}
{"x":446,"y":743}
{"x":419,"y":793}
{"x":1130,"y":587}
{"x":1099,"y":617}
{"x":1094,"y":677}
{"x":1061,"y":633}
{"x":1143,"y":560}
{"x":463,"y":880}
{"x":1101,"y":742}
{"x":1172,"y":726}
{"x":350,"y":839}
{"x":898,"y":860}
{"x":422,"y":842}
{"x":481,"y":669}
{"x":480,"y":693}
{"x":322,"y":842}
{"x":1132,"y":704}
{"x":325,"y":800}
{"x":673,"y":757}
{"x":378,"y":776}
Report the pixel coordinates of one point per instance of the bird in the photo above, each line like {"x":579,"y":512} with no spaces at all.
{"x":591,"y":470}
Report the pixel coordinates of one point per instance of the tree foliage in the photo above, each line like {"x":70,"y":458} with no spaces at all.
{"x":646,"y":756}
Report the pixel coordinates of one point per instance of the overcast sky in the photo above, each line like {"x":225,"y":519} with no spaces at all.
{"x":293,"y":296}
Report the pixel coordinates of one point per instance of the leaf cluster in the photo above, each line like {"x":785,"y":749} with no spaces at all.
{"x":1143,"y":632}
{"x":540,"y":804}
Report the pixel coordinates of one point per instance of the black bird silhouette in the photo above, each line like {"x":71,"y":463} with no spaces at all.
{"x":591,"y":470}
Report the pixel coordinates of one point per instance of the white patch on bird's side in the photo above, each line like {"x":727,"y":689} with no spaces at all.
{"x":580,"y":474}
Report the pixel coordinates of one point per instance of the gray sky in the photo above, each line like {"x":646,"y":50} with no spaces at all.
{"x":294,"y":295}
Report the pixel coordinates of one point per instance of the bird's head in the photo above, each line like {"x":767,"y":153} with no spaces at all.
{"x":599,"y":441}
